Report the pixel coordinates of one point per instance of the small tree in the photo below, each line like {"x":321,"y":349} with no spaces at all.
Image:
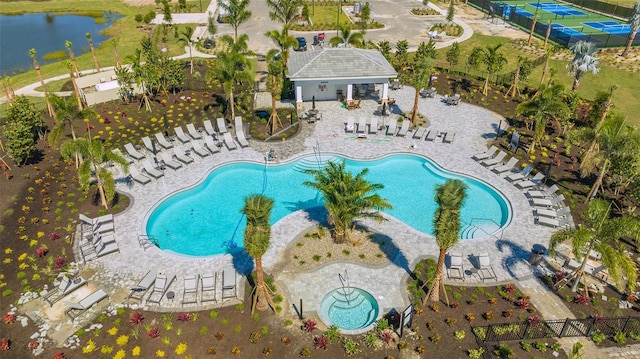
{"x":453,"y":55}
{"x":365,"y":16}
{"x":20,"y":143}
{"x":237,"y":12}
{"x":584,"y":61}
{"x":185,"y":37}
{"x":274,"y":85}
{"x":347,"y":38}
{"x":451,"y":12}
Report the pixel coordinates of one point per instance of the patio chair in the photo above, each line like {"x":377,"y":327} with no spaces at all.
{"x":181,"y":156}
{"x":150,"y":170}
{"x":102,"y":248}
{"x":181,"y":135}
{"x":148,"y":144}
{"x":404,"y":128}
{"x":350,"y":127}
{"x":552,"y":213}
{"x":198,"y":149}
{"x":431,"y":135}
{"x":126,"y":157}
{"x":190,"y":288}
{"x":137,"y":176}
{"x":133,"y":152}
{"x":208,"y":127}
{"x":520,"y":175}
{"x":107,"y":218}
{"x":139,"y":290}
{"x":229,"y":289}
{"x":455,"y":270}
{"x":193,"y":132}
{"x":362,"y":125}
{"x":77,"y":309}
{"x":238,"y":123}
{"x":65,"y":287}
{"x":486,"y":154}
{"x":228,"y":141}
{"x":555,"y":222}
{"x":160,"y":288}
{"x":391,"y":130}
{"x":535,"y":181}
{"x":549,"y":192}
{"x":494,"y":161}
{"x":169,"y":161}
{"x":208,"y":141}
{"x":485,"y":270}
{"x":546,"y":202}
{"x":222,"y":125}
{"x":506,"y":167}
{"x":163,"y":141}
{"x":208,"y":288}
{"x":373,"y":126}
{"x":448,"y":137}
{"x":419,"y":133}
{"x":242,"y":140}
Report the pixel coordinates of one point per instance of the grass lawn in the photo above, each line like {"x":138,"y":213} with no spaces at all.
{"x":328,"y":15}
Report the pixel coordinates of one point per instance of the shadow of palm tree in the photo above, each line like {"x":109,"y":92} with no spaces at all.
{"x":390,"y":250}
{"x":518,"y":254}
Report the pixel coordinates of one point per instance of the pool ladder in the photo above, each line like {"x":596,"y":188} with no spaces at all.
{"x":344,"y":280}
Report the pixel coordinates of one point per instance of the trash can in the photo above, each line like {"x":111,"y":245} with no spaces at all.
{"x":537,"y":253}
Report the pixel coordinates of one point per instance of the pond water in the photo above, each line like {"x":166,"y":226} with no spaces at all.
{"x":46,"y":33}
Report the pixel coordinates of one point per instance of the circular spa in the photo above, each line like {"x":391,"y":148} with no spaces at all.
{"x":352,"y":310}
{"x":205,"y":219}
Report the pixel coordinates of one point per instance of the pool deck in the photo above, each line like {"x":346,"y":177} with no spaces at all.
{"x":474,"y":127}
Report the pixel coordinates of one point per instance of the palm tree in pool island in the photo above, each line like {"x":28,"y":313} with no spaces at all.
{"x":450,"y":197}
{"x":257,"y":237}
{"x":347,"y":197}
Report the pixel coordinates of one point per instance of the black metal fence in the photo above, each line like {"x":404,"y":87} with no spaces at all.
{"x":603,"y":7}
{"x":560,"y":36}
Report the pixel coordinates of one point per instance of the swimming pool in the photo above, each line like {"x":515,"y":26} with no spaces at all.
{"x":206,"y":220}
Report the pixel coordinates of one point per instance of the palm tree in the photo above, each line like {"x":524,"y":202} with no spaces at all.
{"x":584,"y":60}
{"x":139,"y":75}
{"x":493,"y":61}
{"x":93,"y":51}
{"x":274,"y":85}
{"x":347,"y":197}
{"x":634,"y":24}
{"x":284,"y":41}
{"x":76,"y":90}
{"x":230,"y":67}
{"x":347,"y":38}
{"x":95,"y":155}
{"x":69,"y":45}
{"x":36,"y":66}
{"x":186,"y":39}
{"x":418,"y":77}
{"x":600,"y":233}
{"x":236,"y":13}
{"x":450,"y":197}
{"x":114,"y":43}
{"x":283,"y":11}
{"x":66,"y":113}
{"x":548,"y":52}
{"x":547,"y":105}
{"x":257,"y":236}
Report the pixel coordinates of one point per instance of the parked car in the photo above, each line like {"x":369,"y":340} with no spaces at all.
{"x":302,"y":44}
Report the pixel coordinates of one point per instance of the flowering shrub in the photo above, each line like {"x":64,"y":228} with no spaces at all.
{"x":5,"y":344}
{"x":122,"y":340}
{"x":34,"y":344}
{"x":120,"y":354}
{"x":90,"y":347}
{"x":135,"y":351}
{"x":9,"y":318}
{"x":181,"y":348}
{"x":113,"y":331}
{"x":160,"y":353}
{"x":58,"y":355}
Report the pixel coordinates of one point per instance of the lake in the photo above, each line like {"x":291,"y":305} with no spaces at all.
{"x":46,"y":33}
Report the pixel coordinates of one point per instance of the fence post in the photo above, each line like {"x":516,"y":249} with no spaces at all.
{"x":565,"y":327}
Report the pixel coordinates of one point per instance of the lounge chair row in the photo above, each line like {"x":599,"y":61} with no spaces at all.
{"x":66,"y":285}
{"x":97,"y":237}
{"x":78,"y":308}
{"x":431,"y":135}
{"x":482,"y":267}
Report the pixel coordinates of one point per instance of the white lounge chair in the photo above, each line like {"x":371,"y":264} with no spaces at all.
{"x":555,"y":222}
{"x":133,"y":152}
{"x":549,"y":192}
{"x":181,"y":156}
{"x":391,"y":130}
{"x":163,"y":141}
{"x":455,"y":270}
{"x":228,"y":141}
{"x":148,"y":144}
{"x":350,"y":126}
{"x":137,"y":176}
{"x":506,"y":167}
{"x":193,"y":132}
{"x":126,"y":157}
{"x":198,"y":149}
{"x":373,"y":126}
{"x":419,"y":133}
{"x":181,"y":135}
{"x":520,"y":175}
{"x":448,"y":137}
{"x":494,"y":161}
{"x":97,"y":220}
{"x":535,"y":181}
{"x":486,"y":154}
{"x":229,"y":289}
{"x":238,"y":123}
{"x":138,"y":291}
{"x":431,"y":136}
{"x":362,"y":124}
{"x":76,"y":309}
{"x":160,"y":287}
{"x":222,"y":125}
{"x":169,"y":161}
{"x":65,"y":287}
{"x":404,"y":128}
{"x":208,"y":141}
{"x":150,"y":170}
{"x":208,"y":127}
{"x":552,"y":213}
{"x":190,"y":288}
{"x":486,"y":270}
{"x":546,"y":202}
{"x":208,"y":288}
{"x":242,"y":140}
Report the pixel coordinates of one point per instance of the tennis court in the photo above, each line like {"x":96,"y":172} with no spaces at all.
{"x":558,"y":9}
{"x":611,"y":27}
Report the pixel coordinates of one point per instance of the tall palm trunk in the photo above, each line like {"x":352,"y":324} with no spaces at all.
{"x":232,"y":104}
{"x":576,"y":83}
{"x":598,"y":183}
{"x":7,"y":94}
{"x":76,"y":90}
{"x":545,"y":68}
{"x":103,"y":196}
{"x":516,"y":79}
{"x":93,"y":52}
{"x":261,"y":299}
{"x":632,"y":36}
{"x":485,"y":88}
{"x":50,"y":109}
{"x":274,"y":114}
{"x":434,"y":293}
{"x":414,"y":111}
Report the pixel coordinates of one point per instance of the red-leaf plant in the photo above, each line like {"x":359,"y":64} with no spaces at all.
{"x":321,"y":342}
{"x":136,"y":318}
{"x":9,"y":318}
{"x":386,"y":336}
{"x":5,"y":344}
{"x":59,"y":355}
{"x":184,"y":317}
{"x":310,"y":325}
{"x":154,"y":332}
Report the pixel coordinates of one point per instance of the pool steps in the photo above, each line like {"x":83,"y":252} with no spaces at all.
{"x":313,"y":162}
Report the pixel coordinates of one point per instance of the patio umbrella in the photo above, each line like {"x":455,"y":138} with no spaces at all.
{"x":313,"y":103}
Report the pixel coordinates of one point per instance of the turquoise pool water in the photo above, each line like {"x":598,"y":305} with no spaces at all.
{"x":206,"y":220}
{"x":349,"y":308}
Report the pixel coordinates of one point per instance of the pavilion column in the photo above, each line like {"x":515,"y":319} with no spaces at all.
{"x":349,"y":92}
{"x":385,"y":91}
{"x":298,"y":93}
